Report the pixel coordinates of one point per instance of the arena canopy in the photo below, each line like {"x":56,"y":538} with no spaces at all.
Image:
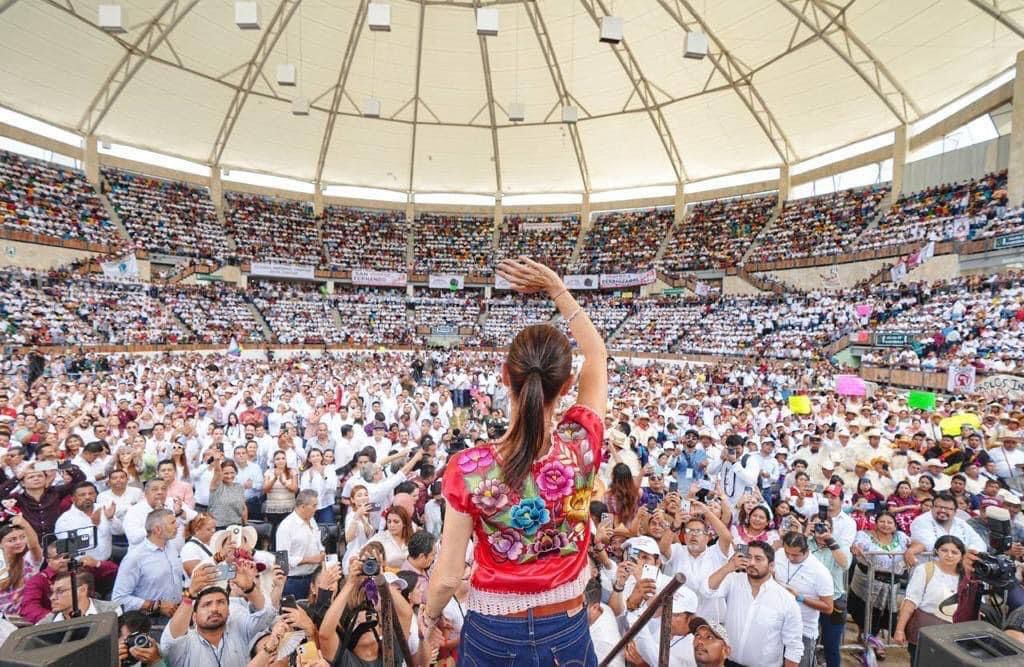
{"x":784,"y":80}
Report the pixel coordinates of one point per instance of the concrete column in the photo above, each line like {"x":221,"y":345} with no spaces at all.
{"x":91,"y":160}
{"x":488,"y":290}
{"x":585,"y":213}
{"x":783,"y":185}
{"x":499,"y":220}
{"x":318,"y":200}
{"x":680,"y":204}
{"x":1016,"y":168}
{"x":330,"y":286}
{"x":410,"y":252}
{"x":899,"y":159}
{"x":216,"y":189}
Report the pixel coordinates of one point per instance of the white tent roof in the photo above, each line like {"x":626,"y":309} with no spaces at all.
{"x":785,"y":80}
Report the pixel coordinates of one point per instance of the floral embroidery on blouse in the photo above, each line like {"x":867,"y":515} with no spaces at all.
{"x":549,"y":518}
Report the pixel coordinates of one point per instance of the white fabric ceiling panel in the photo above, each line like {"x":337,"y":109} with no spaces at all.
{"x":538,"y":158}
{"x":452,"y":80}
{"x":290,"y":150}
{"x":314,"y":41}
{"x":820,"y":101}
{"x":927,"y":45}
{"x":368,"y":151}
{"x":454,"y":159}
{"x":519,"y":72}
{"x":592,"y":72}
{"x":619,"y":163}
{"x":753,"y":31}
{"x":716,"y":135}
{"x":41,"y":81}
{"x":164,"y":108}
{"x":385,"y":64}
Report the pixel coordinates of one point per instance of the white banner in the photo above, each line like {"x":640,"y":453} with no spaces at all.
{"x":378,"y":278}
{"x":961,"y":379}
{"x":501,"y":283}
{"x":927,"y":252}
{"x":830,"y":279}
{"x":898,"y":272}
{"x":281,"y":270}
{"x":445,"y":281}
{"x":617,"y":280}
{"x":540,"y":226}
{"x":998,"y":386}
{"x":125,"y":267}
{"x":582,"y":281}
{"x":961,"y":228}
{"x":701,"y":288}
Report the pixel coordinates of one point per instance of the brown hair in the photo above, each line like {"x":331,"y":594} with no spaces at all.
{"x":539,"y":362}
{"x":406,"y":518}
{"x":196,"y":523}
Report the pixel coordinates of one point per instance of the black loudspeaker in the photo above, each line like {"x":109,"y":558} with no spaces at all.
{"x":89,"y":640}
{"x":966,"y":645}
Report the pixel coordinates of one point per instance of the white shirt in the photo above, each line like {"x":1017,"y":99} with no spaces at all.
{"x":926,"y":530}
{"x":250,"y":472}
{"x":135,"y":523}
{"x":76,"y":518}
{"x":131,"y":495}
{"x":1006,"y":461}
{"x":680,"y":649}
{"x":762,"y":630}
{"x":735,"y":477}
{"x":810,"y":578}
{"x":844,"y":529}
{"x":939,"y":588}
{"x":301,"y":539}
{"x":697,"y":569}
{"x":605,"y":634}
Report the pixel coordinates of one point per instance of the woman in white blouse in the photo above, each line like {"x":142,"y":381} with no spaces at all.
{"x":317,"y":477}
{"x":882,"y":547}
{"x":395,"y":537}
{"x":358,"y":525}
{"x":932,"y":592}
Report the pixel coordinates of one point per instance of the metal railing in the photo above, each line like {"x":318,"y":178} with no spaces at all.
{"x":391,"y":632}
{"x":661,"y":602}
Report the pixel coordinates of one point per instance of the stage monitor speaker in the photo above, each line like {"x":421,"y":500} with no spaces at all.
{"x":967,"y":645}
{"x":89,"y":640}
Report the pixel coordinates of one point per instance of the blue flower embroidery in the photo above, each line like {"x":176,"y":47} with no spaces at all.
{"x":529,"y":515}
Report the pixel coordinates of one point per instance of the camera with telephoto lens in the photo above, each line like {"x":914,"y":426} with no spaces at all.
{"x":138,"y":640}
{"x":371,"y":567}
{"x":998,"y":572}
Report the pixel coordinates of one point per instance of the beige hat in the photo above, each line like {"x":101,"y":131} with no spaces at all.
{"x":240,"y":536}
{"x":1008,"y":496}
{"x":934,"y":462}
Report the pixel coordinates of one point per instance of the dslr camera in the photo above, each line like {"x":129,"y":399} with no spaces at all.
{"x":138,"y":640}
{"x":371,"y":567}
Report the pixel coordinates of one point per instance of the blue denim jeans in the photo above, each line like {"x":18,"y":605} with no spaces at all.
{"x":498,"y":641}
{"x":832,"y":638}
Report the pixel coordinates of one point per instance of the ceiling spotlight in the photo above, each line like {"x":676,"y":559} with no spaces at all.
{"x":611,"y":29}
{"x":286,"y":74}
{"x":247,"y":15}
{"x":378,"y":16}
{"x":300,"y":106}
{"x":371,"y":107}
{"x":517,"y":112}
{"x":570,"y":114}
{"x":696,"y":46}
{"x":109,"y":18}
{"x":487,"y":21}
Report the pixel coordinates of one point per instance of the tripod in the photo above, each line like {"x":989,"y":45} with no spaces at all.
{"x":73,"y":566}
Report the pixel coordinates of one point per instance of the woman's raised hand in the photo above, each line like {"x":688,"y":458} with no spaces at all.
{"x":529,"y":277}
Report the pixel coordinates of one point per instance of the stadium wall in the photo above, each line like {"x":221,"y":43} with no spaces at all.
{"x":958,"y":165}
{"x":39,"y":256}
{"x":736,"y":285}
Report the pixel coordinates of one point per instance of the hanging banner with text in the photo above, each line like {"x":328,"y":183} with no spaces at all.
{"x":125,"y":267}
{"x":583,"y":281}
{"x":540,"y":226}
{"x":501,"y":283}
{"x":445,"y":281}
{"x":378,"y":278}
{"x":617,"y":280}
{"x":961,"y":379}
{"x":281,"y":270}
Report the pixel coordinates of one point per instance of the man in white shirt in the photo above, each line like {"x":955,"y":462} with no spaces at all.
{"x":155,"y":497}
{"x":1008,"y":460}
{"x":928,"y":528}
{"x":83,"y":513}
{"x":735,"y":470}
{"x":697,"y":561}
{"x":122,"y":497}
{"x":681,"y":644}
{"x":346,"y":446}
{"x":762,"y":618}
{"x":604,"y":629}
{"x":810,"y":582}
{"x":60,"y":598}
{"x":844,"y":528}
{"x":299,"y":535}
{"x":250,"y":477}
{"x":90,"y":462}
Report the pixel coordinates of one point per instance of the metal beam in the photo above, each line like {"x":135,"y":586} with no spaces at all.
{"x":740,"y":79}
{"x":416,"y":97}
{"x":6,"y":4}
{"x":991,"y":7}
{"x":339,"y":87}
{"x":151,"y":37}
{"x":547,"y":48}
{"x":855,"y":53}
{"x":268,"y":39}
{"x":631,"y":67}
{"x":486,"y":63}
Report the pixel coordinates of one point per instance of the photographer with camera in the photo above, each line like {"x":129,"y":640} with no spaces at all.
{"x":135,"y":648}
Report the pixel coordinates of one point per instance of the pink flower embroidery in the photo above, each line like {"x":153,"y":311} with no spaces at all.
{"x":555,"y":480}
{"x":548,"y":541}
{"x":491,"y":496}
{"x":475,"y":459}
{"x":507,"y":543}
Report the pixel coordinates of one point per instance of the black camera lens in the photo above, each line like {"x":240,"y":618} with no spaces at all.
{"x":371,"y":568}
{"x":137,"y":640}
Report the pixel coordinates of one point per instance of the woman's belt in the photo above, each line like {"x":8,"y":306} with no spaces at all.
{"x":568,"y":607}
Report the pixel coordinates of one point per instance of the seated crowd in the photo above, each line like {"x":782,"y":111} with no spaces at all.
{"x":38,"y":197}
{"x":550,"y":239}
{"x":371,"y":316}
{"x":623,"y":241}
{"x":507,"y":314}
{"x":33,"y":311}
{"x":244,"y":504}
{"x":819,"y":226}
{"x":124,"y":312}
{"x":452,"y":243}
{"x":167,"y":217}
{"x":266,"y":229}
{"x":296,"y":312}
{"x":216,"y":313}
{"x":443,"y":308}
{"x":358,"y":238}
{"x":716,"y":234}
